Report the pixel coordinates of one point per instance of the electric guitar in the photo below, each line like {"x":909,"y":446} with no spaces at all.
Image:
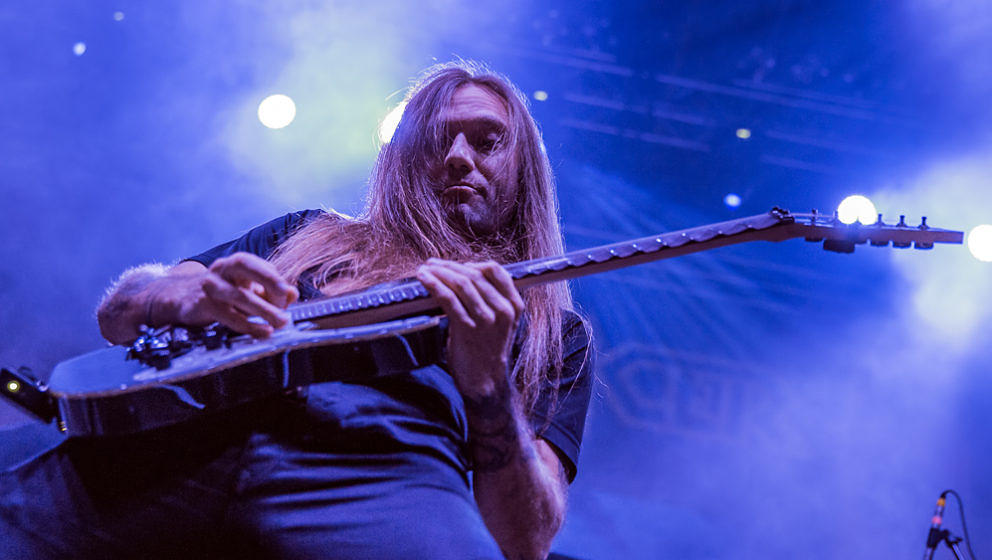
{"x":173,"y":374}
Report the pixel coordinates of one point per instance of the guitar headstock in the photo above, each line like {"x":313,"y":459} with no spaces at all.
{"x":842,"y":238}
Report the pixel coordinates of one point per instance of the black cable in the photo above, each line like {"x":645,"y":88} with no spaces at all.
{"x":964,"y":526}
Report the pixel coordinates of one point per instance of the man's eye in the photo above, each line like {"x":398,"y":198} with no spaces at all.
{"x":489,"y":143}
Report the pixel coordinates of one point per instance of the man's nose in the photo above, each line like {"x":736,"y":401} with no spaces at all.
{"x":459,"y":159}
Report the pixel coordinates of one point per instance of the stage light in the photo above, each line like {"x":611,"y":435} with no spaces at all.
{"x":980,"y":242}
{"x":276,"y":111}
{"x":732,"y":200}
{"x":541,"y":95}
{"x":743,"y":133}
{"x":118,"y":16}
{"x":857,"y":208}
{"x":389,"y":123}
{"x":79,"y":48}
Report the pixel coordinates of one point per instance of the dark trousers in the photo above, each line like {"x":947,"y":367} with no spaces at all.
{"x":220,"y":490}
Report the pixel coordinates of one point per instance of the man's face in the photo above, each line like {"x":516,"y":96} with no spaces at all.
{"x":476,"y":172}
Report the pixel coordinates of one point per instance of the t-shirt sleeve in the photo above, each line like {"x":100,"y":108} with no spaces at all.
{"x":261,"y":240}
{"x":561,"y":422}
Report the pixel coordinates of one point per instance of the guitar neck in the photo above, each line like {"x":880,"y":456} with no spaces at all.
{"x":408,"y":297}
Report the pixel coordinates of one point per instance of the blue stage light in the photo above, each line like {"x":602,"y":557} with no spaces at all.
{"x":732,"y":200}
{"x":980,"y":242}
{"x":389,"y":123}
{"x":277,"y":111}
{"x":857,"y":208}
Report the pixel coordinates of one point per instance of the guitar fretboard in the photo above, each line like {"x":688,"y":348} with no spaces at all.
{"x":410,"y":290}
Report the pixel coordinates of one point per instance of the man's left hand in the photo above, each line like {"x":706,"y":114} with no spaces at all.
{"x":483,"y":307}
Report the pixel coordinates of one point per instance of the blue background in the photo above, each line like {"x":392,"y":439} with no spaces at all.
{"x":762,"y":400}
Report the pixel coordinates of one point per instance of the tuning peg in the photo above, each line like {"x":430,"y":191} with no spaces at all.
{"x":902,"y":221}
{"x":923,"y":225}
{"x":882,"y":242}
{"x":838,"y":245}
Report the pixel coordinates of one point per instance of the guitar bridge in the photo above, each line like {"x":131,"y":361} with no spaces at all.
{"x":158,"y":347}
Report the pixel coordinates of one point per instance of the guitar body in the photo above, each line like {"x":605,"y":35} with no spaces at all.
{"x":104,"y":394}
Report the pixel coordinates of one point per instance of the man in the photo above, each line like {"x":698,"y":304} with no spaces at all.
{"x":375,"y":468}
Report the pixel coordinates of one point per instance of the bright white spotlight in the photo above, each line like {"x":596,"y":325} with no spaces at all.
{"x":389,"y":123}
{"x":732,"y":200}
{"x":980,"y":242}
{"x":79,"y":48}
{"x":541,"y":95}
{"x":276,"y":111}
{"x":118,"y":16}
{"x":857,"y":208}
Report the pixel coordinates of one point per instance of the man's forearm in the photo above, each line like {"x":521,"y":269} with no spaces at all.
{"x":521,"y":498}
{"x":125,"y":306}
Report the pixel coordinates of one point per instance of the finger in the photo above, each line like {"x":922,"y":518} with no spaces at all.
{"x":244,"y":268}
{"x":259,"y":290}
{"x":503,"y":282}
{"x":468,"y":284}
{"x":498,"y":300}
{"x":444,"y":296}
{"x":243,"y":300}
{"x":234,"y":319}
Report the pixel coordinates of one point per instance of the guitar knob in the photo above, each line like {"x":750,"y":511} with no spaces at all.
{"x":212,"y":339}
{"x":157,"y":354}
{"x":179,"y":340}
{"x":902,"y":221}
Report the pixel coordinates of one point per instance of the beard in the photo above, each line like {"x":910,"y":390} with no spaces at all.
{"x":477,"y":224}
{"x":472,"y":221}
{"x":472,"y":214}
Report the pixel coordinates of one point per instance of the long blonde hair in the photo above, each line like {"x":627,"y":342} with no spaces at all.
{"x":403,"y":222}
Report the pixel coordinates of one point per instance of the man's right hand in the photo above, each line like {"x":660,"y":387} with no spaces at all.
{"x":233,"y":289}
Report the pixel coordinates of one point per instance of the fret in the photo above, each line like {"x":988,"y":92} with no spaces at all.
{"x":623,"y":251}
{"x":576,"y":259}
{"x":517,"y":270}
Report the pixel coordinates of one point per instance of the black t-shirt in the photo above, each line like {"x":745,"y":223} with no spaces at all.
{"x":422,"y":410}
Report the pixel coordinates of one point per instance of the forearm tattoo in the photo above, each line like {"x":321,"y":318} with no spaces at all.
{"x":496,"y":437}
